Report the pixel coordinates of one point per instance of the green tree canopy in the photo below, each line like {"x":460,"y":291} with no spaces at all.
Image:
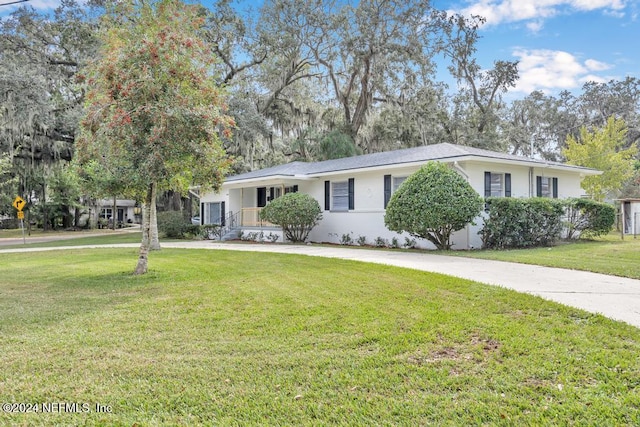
{"x":432,"y":203}
{"x":153,"y":105}
{"x":603,"y":149}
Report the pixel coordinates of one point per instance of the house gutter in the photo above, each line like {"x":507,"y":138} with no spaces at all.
{"x":459,"y":169}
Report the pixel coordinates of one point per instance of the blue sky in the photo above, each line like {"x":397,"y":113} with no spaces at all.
{"x":561,"y":44}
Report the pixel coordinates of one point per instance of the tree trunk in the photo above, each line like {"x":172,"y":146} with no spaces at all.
{"x":153,"y":222}
{"x":143,"y":256}
{"x":66,"y":217}
{"x":76,"y":217}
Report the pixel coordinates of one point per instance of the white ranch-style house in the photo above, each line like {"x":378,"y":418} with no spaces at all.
{"x":353,"y":192}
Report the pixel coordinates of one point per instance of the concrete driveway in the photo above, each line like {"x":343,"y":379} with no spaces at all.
{"x":615,"y":297}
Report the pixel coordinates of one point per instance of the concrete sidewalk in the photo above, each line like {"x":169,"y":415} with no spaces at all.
{"x":614,"y":297}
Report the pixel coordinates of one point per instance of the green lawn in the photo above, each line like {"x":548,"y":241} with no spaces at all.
{"x":234,"y":338}
{"x":75,"y":238}
{"x":608,"y":255}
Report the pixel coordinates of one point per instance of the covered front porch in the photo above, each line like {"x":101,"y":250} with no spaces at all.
{"x":237,"y":209}
{"x":249,"y":201}
{"x":250,"y":217}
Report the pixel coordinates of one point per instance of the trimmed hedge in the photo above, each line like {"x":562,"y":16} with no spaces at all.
{"x":588,"y":218}
{"x":522,"y":223}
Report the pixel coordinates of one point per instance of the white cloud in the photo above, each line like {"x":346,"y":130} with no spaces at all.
{"x":597,"y":4}
{"x":552,"y":70}
{"x":594,"y":65}
{"x":500,"y":11}
{"x":593,"y":78}
{"x":535,"y":26}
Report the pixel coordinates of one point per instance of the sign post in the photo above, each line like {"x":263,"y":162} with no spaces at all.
{"x":19,"y":204}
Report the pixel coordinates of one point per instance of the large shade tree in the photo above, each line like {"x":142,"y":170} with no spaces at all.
{"x":303,"y":72}
{"x":40,"y":98}
{"x":603,"y":149}
{"x":474,"y":118}
{"x":153,"y":103}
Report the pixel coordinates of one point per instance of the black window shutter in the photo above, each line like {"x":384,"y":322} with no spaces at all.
{"x":295,"y":188}
{"x":223,"y":214}
{"x":262,"y":197}
{"x":327,"y":195}
{"x":351,"y":194}
{"x":201,"y":213}
{"x":507,"y":185}
{"x":538,"y":186}
{"x":555,"y":188}
{"x":271,"y":193}
{"x":487,"y":184}
{"x":387,"y":190}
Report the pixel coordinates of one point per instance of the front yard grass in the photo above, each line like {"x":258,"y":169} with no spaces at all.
{"x":72,"y":238}
{"x":235,"y":338}
{"x":607,"y":255}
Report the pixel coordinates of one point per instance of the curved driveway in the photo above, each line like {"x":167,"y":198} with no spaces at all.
{"x":611,"y":296}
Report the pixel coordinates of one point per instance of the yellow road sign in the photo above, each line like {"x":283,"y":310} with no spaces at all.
{"x":20,"y":215}
{"x":19,"y":203}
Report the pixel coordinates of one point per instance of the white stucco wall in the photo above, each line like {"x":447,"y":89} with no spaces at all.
{"x":367,"y":217}
{"x":211,"y":197}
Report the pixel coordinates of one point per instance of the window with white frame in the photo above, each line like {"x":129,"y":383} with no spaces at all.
{"x":497,"y":184}
{"x":546,"y":186}
{"x":106,"y":213}
{"x":340,"y":196}
{"x":397,"y":181}
{"x":214,"y":213}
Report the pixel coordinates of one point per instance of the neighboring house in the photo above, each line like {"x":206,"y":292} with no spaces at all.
{"x":126,"y":211}
{"x":353,"y":192}
{"x":630,"y":213}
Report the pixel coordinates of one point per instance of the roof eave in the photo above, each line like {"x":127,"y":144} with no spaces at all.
{"x":533,"y":163}
{"x":462,"y":158}
{"x":264,"y":179}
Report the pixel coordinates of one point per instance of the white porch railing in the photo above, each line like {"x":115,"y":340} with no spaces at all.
{"x":251,"y":218}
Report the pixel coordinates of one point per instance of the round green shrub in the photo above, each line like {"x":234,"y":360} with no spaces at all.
{"x":296,"y":213}
{"x":433,"y":203}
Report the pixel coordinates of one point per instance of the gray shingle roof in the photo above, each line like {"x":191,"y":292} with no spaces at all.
{"x":287,"y":169}
{"x":443,"y":151}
